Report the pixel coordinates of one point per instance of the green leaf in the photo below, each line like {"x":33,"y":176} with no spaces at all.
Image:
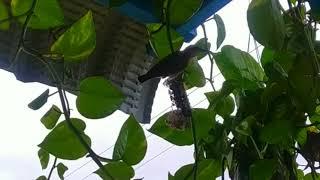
{"x":42,"y":178}
{"x":301,"y":136}
{"x":39,"y":101}
{"x":98,"y":98}
{"x":44,"y":157}
{"x":131,"y":145}
{"x":244,"y":127}
{"x":180,"y":13}
{"x":277,"y":131}
{"x":221,"y":30}
{"x":79,"y":41}
{"x":266,"y":23}
{"x":50,"y":119}
{"x":263,"y":169}
{"x":193,"y":75}
{"x":240,"y":67}
{"x":61,"y":168}
{"x":115,"y":3}
{"x":220,"y":103}
{"x":118,"y":170}
{"x":4,"y":15}
{"x":160,"y":42}
{"x":204,"y":121}
{"x":63,"y":143}
{"x":202,"y":43}
{"x":47,"y":14}
{"x":207,"y":169}
{"x":309,"y":176}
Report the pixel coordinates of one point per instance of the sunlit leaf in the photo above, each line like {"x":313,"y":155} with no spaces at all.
{"x":263,"y":169}
{"x":63,"y":143}
{"x":240,"y":67}
{"x":203,"y":119}
{"x":44,"y":157}
{"x":160,"y":41}
{"x":4,"y":15}
{"x":266,"y":23}
{"x":47,"y":14}
{"x":131,"y":145}
{"x":61,"y":168}
{"x":39,"y":101}
{"x":207,"y":169}
{"x":221,"y":30}
{"x":98,"y":98}
{"x":118,"y":171}
{"x":50,"y":119}
{"x":193,"y":76}
{"x":79,"y":41}
{"x":179,"y":13}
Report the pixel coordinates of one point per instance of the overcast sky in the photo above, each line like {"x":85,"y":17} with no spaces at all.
{"x":21,"y":130}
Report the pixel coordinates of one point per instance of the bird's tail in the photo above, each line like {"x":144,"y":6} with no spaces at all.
{"x":143,"y":78}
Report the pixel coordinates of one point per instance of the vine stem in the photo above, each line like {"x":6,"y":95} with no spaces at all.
{"x":64,"y":102}
{"x":52,"y":168}
{"x":256,"y":147}
{"x":209,"y":55}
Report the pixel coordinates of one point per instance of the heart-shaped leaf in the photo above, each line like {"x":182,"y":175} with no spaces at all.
{"x":4,"y":15}
{"x":263,"y":169}
{"x":50,"y":119}
{"x":180,"y":13}
{"x":79,"y":41}
{"x":63,"y":143}
{"x":131,"y":145}
{"x":44,"y":157}
{"x":47,"y":14}
{"x":118,"y":171}
{"x":203,"y":120}
{"x":98,"y":98}
{"x":193,"y":76}
{"x":61,"y":168}
{"x":221,"y":30}
{"x":39,"y":101}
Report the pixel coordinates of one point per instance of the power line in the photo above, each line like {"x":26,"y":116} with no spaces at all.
{"x":163,"y":111}
{"x":162,"y":152}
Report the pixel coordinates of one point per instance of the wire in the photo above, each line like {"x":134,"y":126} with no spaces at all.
{"x":162,"y":152}
{"x":159,"y":114}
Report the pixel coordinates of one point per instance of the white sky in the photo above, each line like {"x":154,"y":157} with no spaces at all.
{"x":21,"y":130}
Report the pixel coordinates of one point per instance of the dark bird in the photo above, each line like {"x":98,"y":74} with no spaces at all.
{"x":172,"y":64}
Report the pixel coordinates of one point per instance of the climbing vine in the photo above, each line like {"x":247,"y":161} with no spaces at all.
{"x":270,"y":110}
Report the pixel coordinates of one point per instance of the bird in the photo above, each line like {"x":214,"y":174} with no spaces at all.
{"x":172,"y":64}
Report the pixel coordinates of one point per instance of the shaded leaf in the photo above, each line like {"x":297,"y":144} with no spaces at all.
{"x":266,"y":23}
{"x":61,"y":168}
{"x":244,"y":127}
{"x":263,"y":169}
{"x":221,"y":30}
{"x":98,"y":97}
{"x":63,"y":143}
{"x":131,"y":145}
{"x":204,"y":121}
{"x":309,"y":176}
{"x":240,"y":67}
{"x":44,"y":157}
{"x":47,"y":14}
{"x":39,"y":101}
{"x":4,"y":15}
{"x":277,"y":131}
{"x":50,"y":119}
{"x":79,"y":41}
{"x":118,"y":170}
{"x":42,"y":178}
{"x":179,"y":13}
{"x":202,"y":43}
{"x":207,"y":169}
{"x":220,"y":102}
{"x":160,"y":42}
{"x":115,"y":3}
{"x":193,"y":76}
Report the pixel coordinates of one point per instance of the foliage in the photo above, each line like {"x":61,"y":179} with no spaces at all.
{"x":274,"y":100}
